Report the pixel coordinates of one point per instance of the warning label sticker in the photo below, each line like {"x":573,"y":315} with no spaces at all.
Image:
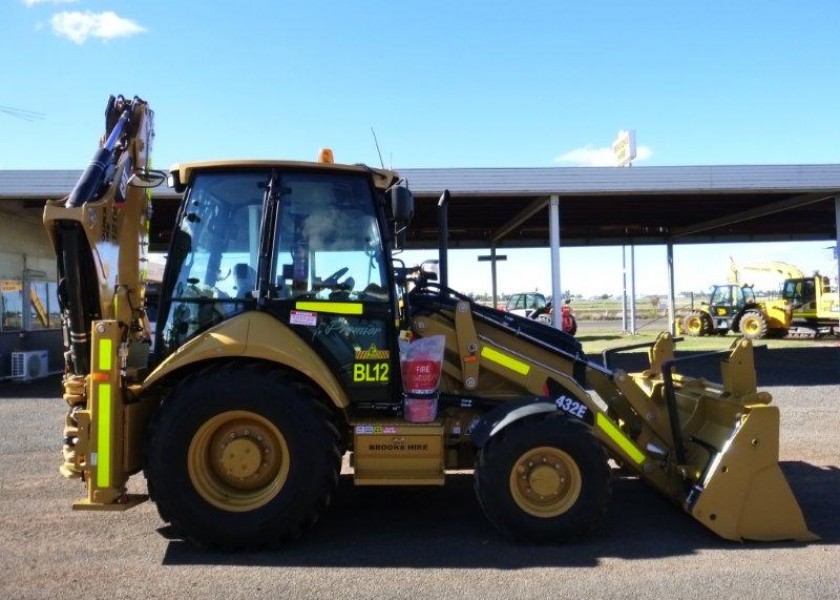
{"x":300,"y":317}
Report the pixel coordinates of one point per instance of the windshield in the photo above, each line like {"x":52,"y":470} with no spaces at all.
{"x":724,"y":295}
{"x":214,"y":252}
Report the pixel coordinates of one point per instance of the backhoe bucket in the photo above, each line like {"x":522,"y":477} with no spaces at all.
{"x":745,"y":495}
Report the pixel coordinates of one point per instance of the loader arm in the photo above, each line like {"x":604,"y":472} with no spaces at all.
{"x":683,"y":436}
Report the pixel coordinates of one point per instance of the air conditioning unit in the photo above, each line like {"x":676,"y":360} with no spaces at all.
{"x":32,"y":364}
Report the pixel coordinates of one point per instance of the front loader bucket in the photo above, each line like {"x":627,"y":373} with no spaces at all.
{"x":722,"y":460}
{"x":745,"y":495}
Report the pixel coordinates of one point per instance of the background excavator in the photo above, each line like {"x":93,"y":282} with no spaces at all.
{"x":278,"y":350}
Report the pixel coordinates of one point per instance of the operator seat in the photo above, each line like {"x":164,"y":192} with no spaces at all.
{"x":245,"y":278}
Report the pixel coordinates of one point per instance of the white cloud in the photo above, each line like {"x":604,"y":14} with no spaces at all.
{"x":34,"y":2}
{"x":78,"y":26}
{"x":591,"y":156}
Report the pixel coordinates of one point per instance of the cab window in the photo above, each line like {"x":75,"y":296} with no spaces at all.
{"x":327,"y":242}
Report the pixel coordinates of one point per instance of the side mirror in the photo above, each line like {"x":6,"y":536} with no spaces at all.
{"x":402,"y":204}
{"x":146,"y":178}
{"x":402,"y":211}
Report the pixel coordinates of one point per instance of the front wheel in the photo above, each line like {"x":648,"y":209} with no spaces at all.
{"x":753,"y":325}
{"x":544,"y":480}
{"x":242,"y":456}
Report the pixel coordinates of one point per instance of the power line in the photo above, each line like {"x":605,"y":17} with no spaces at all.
{"x":22,"y":113}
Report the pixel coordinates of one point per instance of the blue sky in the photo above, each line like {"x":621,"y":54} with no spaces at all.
{"x":445,"y":84}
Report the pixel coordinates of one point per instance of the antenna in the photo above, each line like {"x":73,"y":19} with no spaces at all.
{"x":375,"y":141}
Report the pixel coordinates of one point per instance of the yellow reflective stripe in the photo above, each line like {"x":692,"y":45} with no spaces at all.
{"x":341,"y":308}
{"x":511,"y":363}
{"x":105,"y":348}
{"x":616,"y":435}
{"x":103,"y":436}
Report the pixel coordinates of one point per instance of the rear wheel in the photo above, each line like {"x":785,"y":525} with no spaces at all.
{"x":753,"y":325}
{"x":242,"y":456}
{"x":697,"y":323}
{"x":543,"y":480}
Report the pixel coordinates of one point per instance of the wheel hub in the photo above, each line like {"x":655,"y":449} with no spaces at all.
{"x":545,"y":482}
{"x":238,"y":460}
{"x":241,"y":458}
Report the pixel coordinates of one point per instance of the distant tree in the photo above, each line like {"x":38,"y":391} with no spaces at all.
{"x":604,"y":296}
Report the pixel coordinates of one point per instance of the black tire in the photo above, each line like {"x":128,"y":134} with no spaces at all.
{"x":278,"y":470}
{"x":753,"y":324}
{"x":556,"y":455}
{"x":697,"y":323}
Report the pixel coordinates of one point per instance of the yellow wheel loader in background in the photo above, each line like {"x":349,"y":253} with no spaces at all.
{"x":277,"y":351}
{"x":734,"y":307}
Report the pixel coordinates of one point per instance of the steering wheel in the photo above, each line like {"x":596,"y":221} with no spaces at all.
{"x":332,"y":280}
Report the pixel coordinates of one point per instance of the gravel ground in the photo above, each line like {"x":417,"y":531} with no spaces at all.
{"x":423,"y":543}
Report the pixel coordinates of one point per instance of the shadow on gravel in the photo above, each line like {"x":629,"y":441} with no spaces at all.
{"x":811,"y":365}
{"x":445,"y":528}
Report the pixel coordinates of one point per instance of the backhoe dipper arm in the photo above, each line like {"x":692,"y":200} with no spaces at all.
{"x":99,"y":234}
{"x":98,"y":231}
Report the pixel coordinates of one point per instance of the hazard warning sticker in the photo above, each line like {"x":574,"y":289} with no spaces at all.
{"x":301,"y":317}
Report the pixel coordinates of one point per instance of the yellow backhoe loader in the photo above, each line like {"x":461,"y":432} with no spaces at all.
{"x":277,"y":351}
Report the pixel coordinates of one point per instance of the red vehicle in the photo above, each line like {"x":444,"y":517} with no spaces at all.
{"x":567,"y":317}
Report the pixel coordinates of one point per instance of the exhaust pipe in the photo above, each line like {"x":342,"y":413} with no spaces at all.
{"x":443,"y":238}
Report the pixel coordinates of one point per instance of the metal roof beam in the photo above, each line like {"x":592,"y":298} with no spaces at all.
{"x":522,"y":216}
{"x":753,"y":213}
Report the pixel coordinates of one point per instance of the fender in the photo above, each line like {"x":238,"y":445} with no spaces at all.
{"x":491,"y":423}
{"x":559,"y":399}
{"x":253,"y":335}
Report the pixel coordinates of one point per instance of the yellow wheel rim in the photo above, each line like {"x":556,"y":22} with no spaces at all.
{"x":693,"y":325}
{"x":545,"y":482}
{"x":751,"y":326}
{"x":238,"y":461}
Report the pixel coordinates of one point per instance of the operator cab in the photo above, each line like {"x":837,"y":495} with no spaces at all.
{"x":304,"y":242}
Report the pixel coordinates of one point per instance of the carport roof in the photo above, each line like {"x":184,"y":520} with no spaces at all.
{"x":598,"y":205}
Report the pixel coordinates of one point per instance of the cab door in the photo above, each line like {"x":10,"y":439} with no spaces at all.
{"x":330,"y":281}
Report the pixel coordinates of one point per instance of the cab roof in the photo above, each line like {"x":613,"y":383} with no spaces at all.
{"x":382,"y":178}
